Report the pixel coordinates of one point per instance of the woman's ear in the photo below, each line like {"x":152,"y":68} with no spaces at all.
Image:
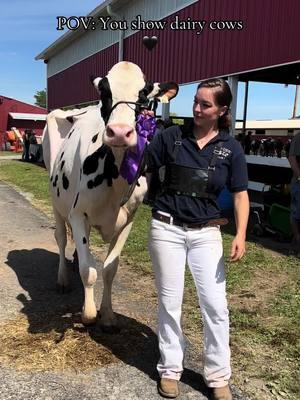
{"x":223,"y":111}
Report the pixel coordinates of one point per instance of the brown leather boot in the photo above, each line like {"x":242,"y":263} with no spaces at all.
{"x":168,"y":388}
{"x":222,"y":393}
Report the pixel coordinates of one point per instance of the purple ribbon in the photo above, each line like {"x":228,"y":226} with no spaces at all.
{"x":145,"y":128}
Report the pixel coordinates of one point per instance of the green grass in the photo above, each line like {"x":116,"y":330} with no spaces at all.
{"x":9,"y":153}
{"x":136,"y":247}
{"x":28,"y":178}
{"x":264,"y":318}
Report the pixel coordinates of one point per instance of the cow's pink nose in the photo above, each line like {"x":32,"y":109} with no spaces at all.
{"x":119,"y":131}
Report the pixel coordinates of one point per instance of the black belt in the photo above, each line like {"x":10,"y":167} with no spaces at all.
{"x":174,"y":221}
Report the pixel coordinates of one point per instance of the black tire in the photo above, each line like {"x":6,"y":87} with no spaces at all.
{"x":258,"y":230}
{"x":280,"y":237}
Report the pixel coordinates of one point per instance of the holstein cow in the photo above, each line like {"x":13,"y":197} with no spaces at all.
{"x":83,"y":152}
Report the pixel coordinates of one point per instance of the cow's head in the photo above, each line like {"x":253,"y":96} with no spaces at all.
{"x":124,"y":93}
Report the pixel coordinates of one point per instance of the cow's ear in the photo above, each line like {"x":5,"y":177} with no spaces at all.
{"x":164,"y":92}
{"x":95,"y":81}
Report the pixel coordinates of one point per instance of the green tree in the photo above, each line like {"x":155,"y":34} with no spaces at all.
{"x":40,"y":98}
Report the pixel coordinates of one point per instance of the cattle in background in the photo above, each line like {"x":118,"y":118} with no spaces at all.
{"x":83,"y":151}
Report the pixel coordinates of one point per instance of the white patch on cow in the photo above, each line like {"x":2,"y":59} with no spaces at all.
{"x":60,"y":127}
{"x":154,"y":91}
{"x":96,"y":83}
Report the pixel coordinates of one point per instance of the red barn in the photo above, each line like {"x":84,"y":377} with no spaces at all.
{"x":15,"y":113}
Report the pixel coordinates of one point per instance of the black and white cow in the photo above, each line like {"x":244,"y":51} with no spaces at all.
{"x":83,"y":150}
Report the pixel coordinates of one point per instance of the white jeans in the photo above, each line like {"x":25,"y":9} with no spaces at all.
{"x":170,"y":248}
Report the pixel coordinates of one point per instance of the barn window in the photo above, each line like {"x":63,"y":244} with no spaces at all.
{"x":260,"y":131}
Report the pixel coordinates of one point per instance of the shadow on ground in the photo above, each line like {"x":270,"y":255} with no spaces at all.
{"x":47,"y":310}
{"x":36,"y":271}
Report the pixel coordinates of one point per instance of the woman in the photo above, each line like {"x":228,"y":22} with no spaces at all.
{"x":197,"y":163}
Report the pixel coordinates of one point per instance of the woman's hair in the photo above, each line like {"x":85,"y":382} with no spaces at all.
{"x":223,"y":97}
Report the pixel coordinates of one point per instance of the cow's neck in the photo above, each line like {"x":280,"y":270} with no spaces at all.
{"x":119,"y":155}
{"x":120,"y":186}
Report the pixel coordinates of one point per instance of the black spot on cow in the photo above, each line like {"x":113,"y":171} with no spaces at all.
{"x":51,"y":179}
{"x":57,"y":192}
{"x":76,"y":200}
{"x":85,"y":214}
{"x":90,"y":164}
{"x":98,"y":180}
{"x":103,"y":150}
{"x":62,"y":164}
{"x":106,"y":98}
{"x":70,"y":119}
{"x":80,"y":174}
{"x":95,"y":182}
{"x":65,"y":181}
{"x":61,"y":156}
{"x":110,"y":172}
{"x":70,"y":134}
{"x":144,"y":92}
{"x":55,"y":181}
{"x":94,"y":138}
{"x":84,"y":240}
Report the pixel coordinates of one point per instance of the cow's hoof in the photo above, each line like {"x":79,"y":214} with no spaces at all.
{"x":62,"y":289}
{"x":111,"y":329}
{"x":88,"y":321}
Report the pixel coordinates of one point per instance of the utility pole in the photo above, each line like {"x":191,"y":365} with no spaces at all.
{"x":296,"y":102}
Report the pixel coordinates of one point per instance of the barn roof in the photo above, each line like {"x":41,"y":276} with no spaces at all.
{"x":69,"y":36}
{"x":28,"y":116}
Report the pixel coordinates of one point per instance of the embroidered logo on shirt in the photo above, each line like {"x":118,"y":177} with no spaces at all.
{"x":223,"y":153}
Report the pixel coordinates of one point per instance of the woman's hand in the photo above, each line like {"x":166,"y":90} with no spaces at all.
{"x":241,"y":211}
{"x":238,"y":248}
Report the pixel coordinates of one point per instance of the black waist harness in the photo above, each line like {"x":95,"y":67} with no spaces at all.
{"x":194,"y":182}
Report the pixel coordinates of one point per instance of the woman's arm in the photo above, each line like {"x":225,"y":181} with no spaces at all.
{"x":241,"y":212}
{"x":294,"y":165}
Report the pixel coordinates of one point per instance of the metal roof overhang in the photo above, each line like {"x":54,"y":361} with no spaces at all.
{"x":288,"y":73}
{"x":70,"y":36}
{"x":28,"y":116}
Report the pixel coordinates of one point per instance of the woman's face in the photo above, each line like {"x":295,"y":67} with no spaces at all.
{"x":205,"y":109}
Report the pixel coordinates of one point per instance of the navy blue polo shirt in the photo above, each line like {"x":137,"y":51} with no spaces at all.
{"x":231,"y":171}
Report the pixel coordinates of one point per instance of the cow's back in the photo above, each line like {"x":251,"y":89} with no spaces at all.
{"x":67,"y":141}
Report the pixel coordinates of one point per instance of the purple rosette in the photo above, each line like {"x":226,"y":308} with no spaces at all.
{"x":145,"y":128}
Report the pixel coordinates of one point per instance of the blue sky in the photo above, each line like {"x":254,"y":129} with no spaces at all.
{"x":29,"y":26}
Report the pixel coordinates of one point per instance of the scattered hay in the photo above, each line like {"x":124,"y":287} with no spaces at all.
{"x":44,"y":348}
{"x":57,"y":343}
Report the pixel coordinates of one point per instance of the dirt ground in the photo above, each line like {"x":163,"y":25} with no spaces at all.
{"x":46,"y":353}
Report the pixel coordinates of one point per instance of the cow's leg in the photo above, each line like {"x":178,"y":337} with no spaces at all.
{"x":87,"y":265}
{"x":63,"y":281}
{"x":108,"y":320}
